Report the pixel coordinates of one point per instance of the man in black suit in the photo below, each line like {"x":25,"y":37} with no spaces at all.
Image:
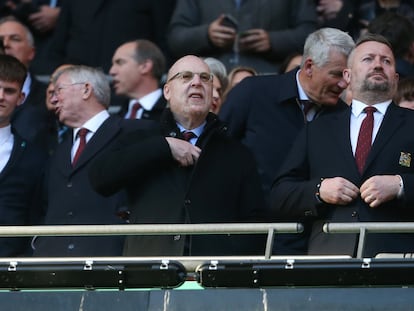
{"x":21,"y":164}
{"x":137,"y":70}
{"x":30,"y":119}
{"x":326,"y":175}
{"x":266,"y":112}
{"x":81,"y":97}
{"x":207,"y":179}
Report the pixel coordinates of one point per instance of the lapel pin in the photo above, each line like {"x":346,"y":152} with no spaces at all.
{"x":405,"y":159}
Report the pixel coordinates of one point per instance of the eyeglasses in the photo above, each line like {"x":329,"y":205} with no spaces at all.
{"x":188,"y":76}
{"x":58,"y":89}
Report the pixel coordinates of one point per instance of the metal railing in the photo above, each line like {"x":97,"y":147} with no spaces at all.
{"x":363,"y":228}
{"x":157,"y":229}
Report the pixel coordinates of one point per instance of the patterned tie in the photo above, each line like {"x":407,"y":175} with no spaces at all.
{"x":134,"y":110}
{"x":188,"y":135}
{"x":82,"y":143}
{"x":365,"y":138}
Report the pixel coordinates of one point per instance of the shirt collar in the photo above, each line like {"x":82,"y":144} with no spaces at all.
{"x":358,"y":107}
{"x":302,"y":94}
{"x":148,"y":101}
{"x":5,"y":132}
{"x":198,"y":130}
{"x":93,"y":123}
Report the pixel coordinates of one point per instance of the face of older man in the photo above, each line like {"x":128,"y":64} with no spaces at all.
{"x":16,"y":42}
{"x":189,"y":88}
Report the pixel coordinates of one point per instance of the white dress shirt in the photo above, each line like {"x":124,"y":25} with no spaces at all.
{"x":6,"y":145}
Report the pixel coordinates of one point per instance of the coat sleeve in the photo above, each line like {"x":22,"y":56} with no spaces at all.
{"x":293,"y":194}
{"x":131,"y":160}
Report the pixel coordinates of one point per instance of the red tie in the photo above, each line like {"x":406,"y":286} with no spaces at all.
{"x":188,"y":135}
{"x":365,"y":138}
{"x":134,"y":110}
{"x":82,"y":143}
{"x":307,"y":105}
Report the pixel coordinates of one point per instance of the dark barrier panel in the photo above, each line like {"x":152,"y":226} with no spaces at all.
{"x":283,"y":299}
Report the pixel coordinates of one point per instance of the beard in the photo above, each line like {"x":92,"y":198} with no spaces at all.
{"x":378,"y":86}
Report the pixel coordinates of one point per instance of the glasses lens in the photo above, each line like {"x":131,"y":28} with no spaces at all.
{"x":187,"y":76}
{"x":205,"y":77}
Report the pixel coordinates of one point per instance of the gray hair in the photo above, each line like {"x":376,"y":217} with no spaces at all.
{"x":218,"y":69}
{"x":29,"y":35}
{"x":320,"y":43}
{"x":95,"y":77}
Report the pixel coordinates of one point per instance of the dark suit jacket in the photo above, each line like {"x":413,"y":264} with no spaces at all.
{"x":263,"y":113}
{"x":222,"y":187}
{"x":153,"y":114}
{"x":31,"y":119}
{"x":89,"y":32}
{"x":71,"y":200}
{"x":20,"y":197}
{"x":323,"y":150}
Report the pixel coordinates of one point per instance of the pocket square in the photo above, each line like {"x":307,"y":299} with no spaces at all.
{"x":405,"y":159}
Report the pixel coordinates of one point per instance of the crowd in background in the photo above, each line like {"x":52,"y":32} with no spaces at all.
{"x":100,"y":65}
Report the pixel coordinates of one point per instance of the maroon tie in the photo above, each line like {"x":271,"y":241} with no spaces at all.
{"x":82,"y":143}
{"x":134,"y":110}
{"x":307,"y":106}
{"x":365,"y":138}
{"x":188,"y":135}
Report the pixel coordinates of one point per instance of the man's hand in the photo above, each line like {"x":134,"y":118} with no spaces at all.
{"x":45,"y":20}
{"x":255,"y":40}
{"x":379,"y":189}
{"x":221,"y":36}
{"x":183,"y":152}
{"x":338,"y":190}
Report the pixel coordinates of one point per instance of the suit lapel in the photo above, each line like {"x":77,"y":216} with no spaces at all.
{"x":340,"y":125}
{"x":62,"y":154}
{"x":106,"y":132}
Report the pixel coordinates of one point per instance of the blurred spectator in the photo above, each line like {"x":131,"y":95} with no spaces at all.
{"x":41,"y":17}
{"x":405,"y":93}
{"x":259,"y":34}
{"x":137,"y":69}
{"x":21,"y":164}
{"x":399,"y":31}
{"x":291,"y":62}
{"x":236,"y":75}
{"x":89,"y":32}
{"x":220,"y":82}
{"x":30,"y":118}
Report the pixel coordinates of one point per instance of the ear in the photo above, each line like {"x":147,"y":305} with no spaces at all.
{"x":308,"y":67}
{"x":347,"y":75}
{"x":167,"y":93}
{"x":146,"y":66}
{"x":22,"y":96}
{"x":87,"y":91}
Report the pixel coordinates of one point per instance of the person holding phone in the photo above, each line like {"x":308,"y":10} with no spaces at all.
{"x":251,"y":33}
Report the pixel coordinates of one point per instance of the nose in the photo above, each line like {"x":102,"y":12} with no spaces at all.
{"x":1,"y":93}
{"x":196,"y":79}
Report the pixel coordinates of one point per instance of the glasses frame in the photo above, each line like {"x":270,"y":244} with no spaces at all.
{"x":200,"y":74}
{"x":58,"y":89}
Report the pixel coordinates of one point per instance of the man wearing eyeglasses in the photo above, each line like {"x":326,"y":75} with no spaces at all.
{"x":173,"y":176}
{"x":81,"y":97}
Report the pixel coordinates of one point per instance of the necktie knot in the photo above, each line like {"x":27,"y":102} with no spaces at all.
{"x":188,"y":135}
{"x":370,"y":110}
{"x":134,"y":110}
{"x":82,"y":133}
{"x":307,"y":105}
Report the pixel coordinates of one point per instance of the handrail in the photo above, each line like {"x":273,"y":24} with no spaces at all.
{"x":158,"y":229}
{"x":363,"y":228}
